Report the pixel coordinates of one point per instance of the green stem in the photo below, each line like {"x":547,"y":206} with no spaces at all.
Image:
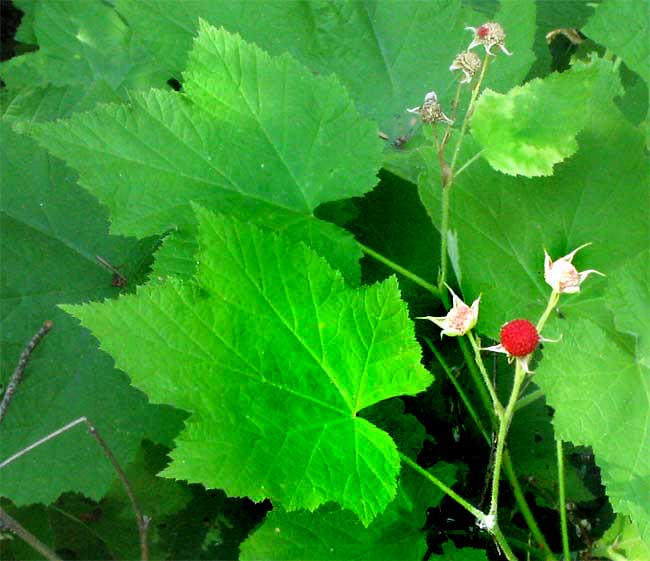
{"x":523,"y":506}
{"x":560,"y":477}
{"x":496,"y":404}
{"x":552,"y":302}
{"x":509,"y":468}
{"x":459,"y":389}
{"x":444,"y":228}
{"x":401,"y":270}
{"x":506,"y":419}
{"x":476,"y":377}
{"x":468,"y":163}
{"x":503,"y":543}
{"x":447,"y":490}
{"x":528,"y":399}
{"x":470,"y":110}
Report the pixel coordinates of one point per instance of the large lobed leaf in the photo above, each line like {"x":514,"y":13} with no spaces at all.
{"x":387,"y":54}
{"x":254,"y":136}
{"x":274,"y":357}
{"x":601,"y":396}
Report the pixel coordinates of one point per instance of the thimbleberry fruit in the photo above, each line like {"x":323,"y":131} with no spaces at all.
{"x":519,"y":337}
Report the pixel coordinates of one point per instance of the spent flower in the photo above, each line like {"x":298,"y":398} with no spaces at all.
{"x":459,"y":320}
{"x":489,"y":34}
{"x":430,"y":110}
{"x":469,"y":63}
{"x":562,"y":276}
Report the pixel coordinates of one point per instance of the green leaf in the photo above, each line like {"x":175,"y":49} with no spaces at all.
{"x":531,"y":443}
{"x":533,"y":127}
{"x":504,"y":223}
{"x":623,"y":27}
{"x":621,"y":542}
{"x":387,"y":54}
{"x":601,"y":397}
{"x":275,"y":357}
{"x":257,"y":137}
{"x":331,"y":533}
{"x":628,"y":297}
{"x":51,"y":232}
{"x":82,"y":45}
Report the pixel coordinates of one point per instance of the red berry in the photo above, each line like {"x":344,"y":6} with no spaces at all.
{"x":519,"y":337}
{"x":483,"y":31}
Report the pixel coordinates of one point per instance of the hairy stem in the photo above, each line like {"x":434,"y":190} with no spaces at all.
{"x":550,"y":306}
{"x":507,"y":462}
{"x":504,"y":425}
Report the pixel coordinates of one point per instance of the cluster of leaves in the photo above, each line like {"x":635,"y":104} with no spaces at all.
{"x":223,"y":156}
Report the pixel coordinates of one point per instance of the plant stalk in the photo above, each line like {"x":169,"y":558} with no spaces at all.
{"x":8,"y":523}
{"x":562,"y":492}
{"x":401,"y":270}
{"x":505,"y":421}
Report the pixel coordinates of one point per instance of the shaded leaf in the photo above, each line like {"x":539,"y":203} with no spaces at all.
{"x":257,"y":137}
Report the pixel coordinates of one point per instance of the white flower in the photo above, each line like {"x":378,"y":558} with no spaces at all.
{"x":459,"y":320}
{"x":489,"y":34}
{"x":562,"y":276}
{"x":430,"y":110}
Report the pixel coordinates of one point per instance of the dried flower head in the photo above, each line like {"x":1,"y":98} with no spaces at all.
{"x":469,"y":63}
{"x":459,"y":320}
{"x":430,"y":110}
{"x":562,"y":276}
{"x":489,"y":34}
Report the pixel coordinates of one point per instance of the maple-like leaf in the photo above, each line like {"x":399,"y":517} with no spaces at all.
{"x":274,"y":356}
{"x":251,"y":135}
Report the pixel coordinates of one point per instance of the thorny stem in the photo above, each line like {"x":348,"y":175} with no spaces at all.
{"x":504,"y":425}
{"x":496,"y":404}
{"x":401,"y":270}
{"x":563,"y":523}
{"x":503,"y":543}
{"x":19,"y":372}
{"x":142,"y":521}
{"x":8,"y":523}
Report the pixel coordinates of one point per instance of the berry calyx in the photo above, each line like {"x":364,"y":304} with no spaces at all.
{"x":519,"y":337}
